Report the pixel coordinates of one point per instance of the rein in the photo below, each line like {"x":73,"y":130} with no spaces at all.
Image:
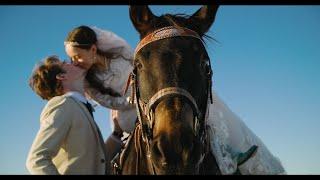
{"x":146,"y":109}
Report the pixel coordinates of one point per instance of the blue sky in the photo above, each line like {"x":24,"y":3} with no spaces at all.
{"x":266,"y":69}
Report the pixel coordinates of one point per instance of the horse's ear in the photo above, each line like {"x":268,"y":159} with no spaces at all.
{"x":202,"y":20}
{"x":141,"y":18}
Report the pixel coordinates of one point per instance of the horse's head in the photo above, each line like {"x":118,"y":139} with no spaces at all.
{"x":173,"y":76}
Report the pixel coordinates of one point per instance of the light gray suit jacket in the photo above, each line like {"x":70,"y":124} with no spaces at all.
{"x":68,"y":141}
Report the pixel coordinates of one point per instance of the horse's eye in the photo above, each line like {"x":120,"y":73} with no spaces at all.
{"x":138,"y":65}
{"x":203,"y":64}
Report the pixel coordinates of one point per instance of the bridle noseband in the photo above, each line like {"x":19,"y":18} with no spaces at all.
{"x":146,"y":109}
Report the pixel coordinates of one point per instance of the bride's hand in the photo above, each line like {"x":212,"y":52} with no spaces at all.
{"x":117,"y":131}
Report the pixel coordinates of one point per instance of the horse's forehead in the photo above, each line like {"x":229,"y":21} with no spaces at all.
{"x":183,"y":44}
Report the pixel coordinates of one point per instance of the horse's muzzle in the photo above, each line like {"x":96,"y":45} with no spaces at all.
{"x":174,"y":147}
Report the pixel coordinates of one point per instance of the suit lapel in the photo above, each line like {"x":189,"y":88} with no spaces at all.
{"x":89,"y":117}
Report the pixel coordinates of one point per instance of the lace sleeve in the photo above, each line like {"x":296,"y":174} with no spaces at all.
{"x":118,"y":103}
{"x":115,"y":77}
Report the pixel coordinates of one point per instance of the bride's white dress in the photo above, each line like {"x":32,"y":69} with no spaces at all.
{"x":229,"y":136}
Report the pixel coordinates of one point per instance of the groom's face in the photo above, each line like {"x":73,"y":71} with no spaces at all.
{"x":73,"y":72}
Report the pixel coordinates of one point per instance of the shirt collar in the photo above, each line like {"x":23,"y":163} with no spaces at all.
{"x":78,"y":96}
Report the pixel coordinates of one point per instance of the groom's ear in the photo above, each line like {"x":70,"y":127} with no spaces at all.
{"x":61,"y":77}
{"x":94,"y":48}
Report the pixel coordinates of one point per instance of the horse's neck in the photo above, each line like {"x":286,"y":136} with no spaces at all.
{"x":133,"y":157}
{"x":209,"y":166}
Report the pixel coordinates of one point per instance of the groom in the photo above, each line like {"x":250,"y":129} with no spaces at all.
{"x":68,"y":141}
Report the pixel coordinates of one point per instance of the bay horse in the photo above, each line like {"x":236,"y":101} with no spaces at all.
{"x":171,"y":88}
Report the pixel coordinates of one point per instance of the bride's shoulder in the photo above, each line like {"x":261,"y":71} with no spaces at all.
{"x":121,"y":64}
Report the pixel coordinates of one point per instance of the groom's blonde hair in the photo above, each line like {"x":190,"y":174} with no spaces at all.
{"x":43,"y":80}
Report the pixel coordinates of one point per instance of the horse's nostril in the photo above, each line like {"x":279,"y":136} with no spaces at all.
{"x":164,"y":164}
{"x":156,"y":149}
{"x":158,"y":154}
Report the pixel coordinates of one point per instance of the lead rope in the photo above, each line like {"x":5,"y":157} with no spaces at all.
{"x":135,"y":98}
